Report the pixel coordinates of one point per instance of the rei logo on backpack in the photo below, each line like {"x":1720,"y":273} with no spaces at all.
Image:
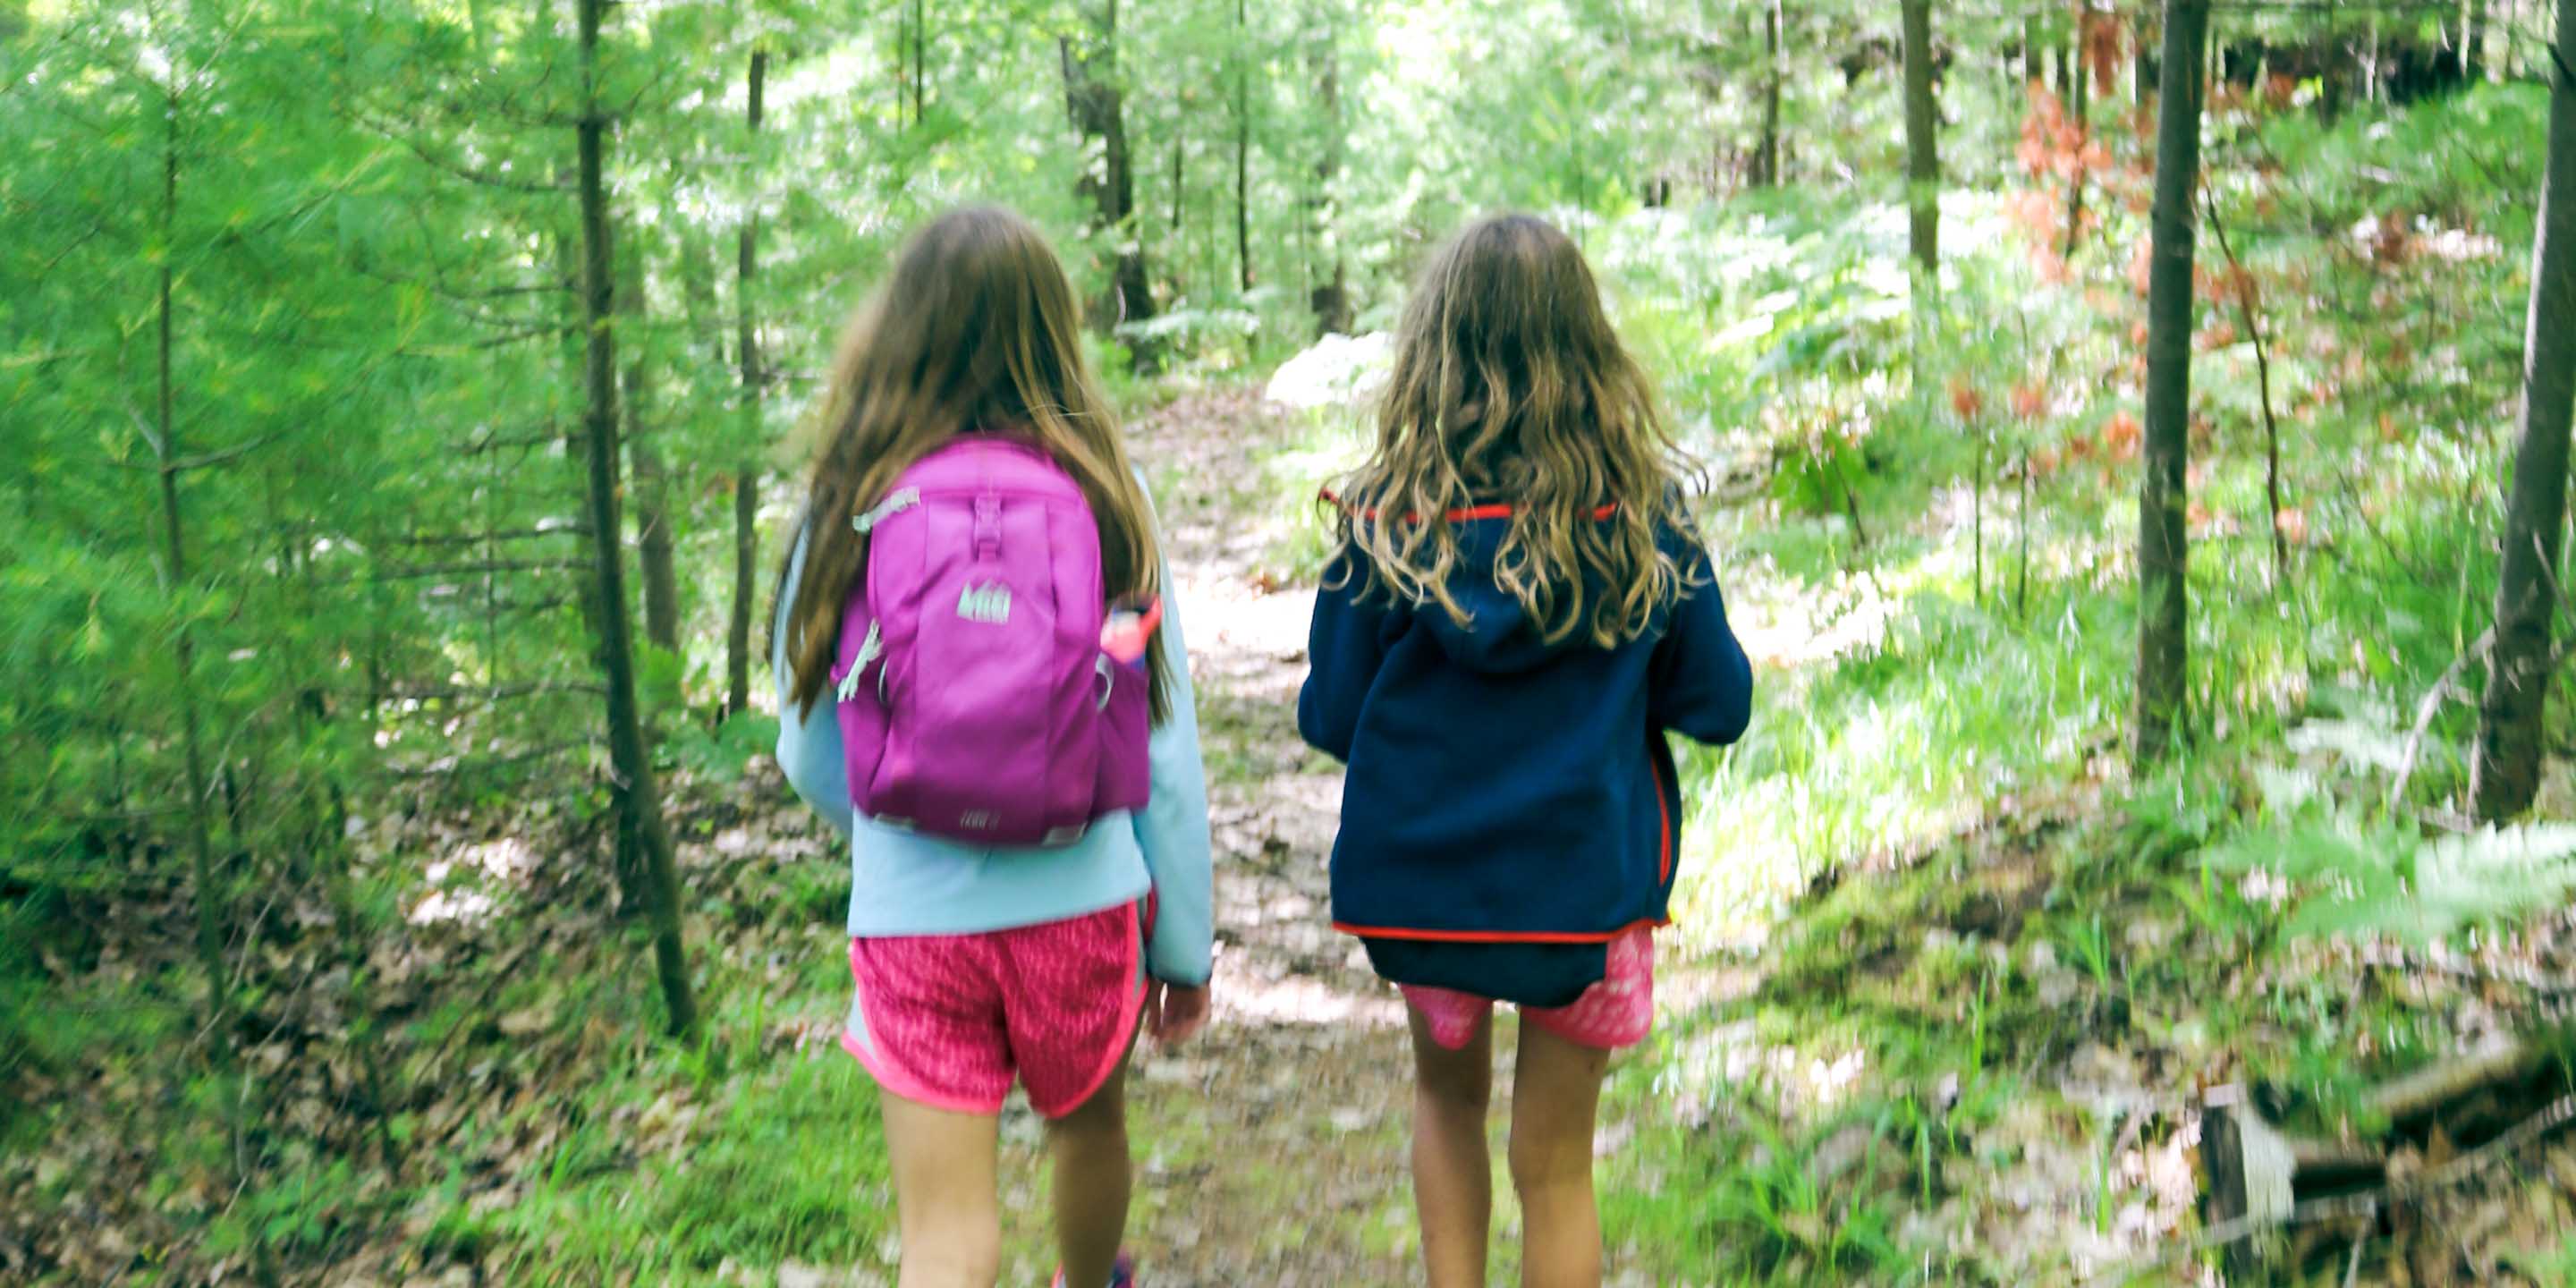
{"x":975,"y":701}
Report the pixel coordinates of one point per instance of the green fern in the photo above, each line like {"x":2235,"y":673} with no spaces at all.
{"x":2355,"y":878}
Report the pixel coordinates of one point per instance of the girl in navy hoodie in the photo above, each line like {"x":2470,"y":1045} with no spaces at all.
{"x":1520,"y":611}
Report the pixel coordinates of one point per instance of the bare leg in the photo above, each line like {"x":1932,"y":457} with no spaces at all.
{"x":944,"y":1190}
{"x":1092,"y":1176}
{"x":1555,"y":1093}
{"x":1453,"y":1175}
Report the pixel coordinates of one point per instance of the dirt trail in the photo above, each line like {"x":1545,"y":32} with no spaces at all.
{"x":1270,"y":1151}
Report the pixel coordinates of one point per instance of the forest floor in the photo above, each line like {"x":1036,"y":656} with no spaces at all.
{"x":1975,"y":1059}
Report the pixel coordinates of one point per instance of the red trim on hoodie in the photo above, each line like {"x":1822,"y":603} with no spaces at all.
{"x":1472,"y":513}
{"x":1664,"y":811}
{"x":1501,"y":936}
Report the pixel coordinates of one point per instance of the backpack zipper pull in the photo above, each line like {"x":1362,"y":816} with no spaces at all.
{"x":988,"y":526}
{"x":870,"y":649}
{"x":886,"y":509}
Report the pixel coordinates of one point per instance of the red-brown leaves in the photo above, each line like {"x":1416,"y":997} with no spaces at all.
{"x":2122,"y":436}
{"x":1965,"y":400}
{"x":2105,"y":37}
{"x":2030,"y":402}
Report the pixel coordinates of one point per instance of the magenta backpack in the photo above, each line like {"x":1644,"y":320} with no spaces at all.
{"x":975,"y":701}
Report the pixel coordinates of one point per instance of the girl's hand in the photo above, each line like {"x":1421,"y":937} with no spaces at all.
{"x":1174,"y":1012}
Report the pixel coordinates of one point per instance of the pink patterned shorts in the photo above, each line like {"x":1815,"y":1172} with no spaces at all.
{"x":1617,"y":1012}
{"x":950,"y":1020}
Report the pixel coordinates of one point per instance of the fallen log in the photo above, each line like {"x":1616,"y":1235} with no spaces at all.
{"x":2257,"y":1180}
{"x":2422,"y":1095}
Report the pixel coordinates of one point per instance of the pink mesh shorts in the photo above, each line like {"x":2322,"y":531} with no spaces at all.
{"x":950,"y":1020}
{"x":1617,"y":1012}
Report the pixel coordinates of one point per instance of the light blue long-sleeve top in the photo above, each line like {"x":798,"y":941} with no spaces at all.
{"x":905,"y":883}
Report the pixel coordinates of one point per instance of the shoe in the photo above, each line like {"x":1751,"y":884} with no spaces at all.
{"x":1121,"y":1275}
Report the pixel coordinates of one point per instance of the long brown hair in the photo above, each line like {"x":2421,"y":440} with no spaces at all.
{"x":976,"y":329}
{"x":1510,"y":386}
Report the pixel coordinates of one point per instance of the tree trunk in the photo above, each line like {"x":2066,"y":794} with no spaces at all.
{"x":2504,"y":772}
{"x":1922,"y":166}
{"x":2245,"y":302}
{"x":640,"y":795}
{"x":2033,"y":71}
{"x":698,"y":297}
{"x":2509,"y":56}
{"x":2331,"y":85}
{"x":2473,"y":42}
{"x":746,"y":479}
{"x":652,"y":490}
{"x":211,"y":897}
{"x":1330,"y":297}
{"x":1977,"y":522}
{"x":2142,"y":71}
{"x":2370,"y":65}
{"x":2079,"y":87}
{"x":1098,"y":111}
{"x":2163,"y":553}
{"x":1242,"y":148}
{"x":1766,"y":159}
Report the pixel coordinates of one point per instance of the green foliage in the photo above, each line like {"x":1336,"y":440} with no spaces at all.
{"x":721,"y":755}
{"x":365,"y":583}
{"x":2383,"y":879}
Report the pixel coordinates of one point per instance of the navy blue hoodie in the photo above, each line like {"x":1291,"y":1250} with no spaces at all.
{"x":1503,"y":791}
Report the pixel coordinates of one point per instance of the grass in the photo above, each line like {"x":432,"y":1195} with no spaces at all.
{"x":788,"y":1169}
{"x":747,"y":1150}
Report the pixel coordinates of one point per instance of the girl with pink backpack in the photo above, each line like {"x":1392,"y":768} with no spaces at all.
{"x":982,"y":681}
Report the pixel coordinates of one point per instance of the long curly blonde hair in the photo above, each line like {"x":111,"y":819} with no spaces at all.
{"x":1511,"y":389}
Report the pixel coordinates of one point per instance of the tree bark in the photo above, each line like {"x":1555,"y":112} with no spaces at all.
{"x":1922,"y":164}
{"x":212,"y":899}
{"x":2245,"y":301}
{"x":2370,"y":63}
{"x":746,"y":479}
{"x":2163,"y":537}
{"x":1330,"y":297}
{"x":652,"y":491}
{"x":2079,"y":83}
{"x":1766,"y":158}
{"x":698,"y":297}
{"x":2504,"y":773}
{"x":639,"y":795}
{"x":2473,"y":41}
{"x":920,"y":61}
{"x":1098,"y":111}
{"x":2142,"y":71}
{"x":1242,"y":147}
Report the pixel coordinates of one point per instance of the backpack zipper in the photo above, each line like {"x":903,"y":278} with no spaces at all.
{"x":886,"y":509}
{"x":870,"y":649}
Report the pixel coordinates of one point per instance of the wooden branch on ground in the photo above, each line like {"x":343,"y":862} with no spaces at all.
{"x":2260,"y":1181}
{"x":2425,"y":1092}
